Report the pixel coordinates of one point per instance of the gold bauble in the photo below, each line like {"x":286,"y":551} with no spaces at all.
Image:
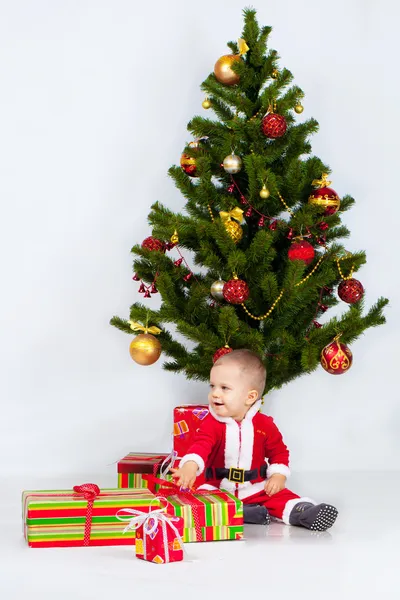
{"x":217,"y":288}
{"x":264,"y":192}
{"x":275,"y":74}
{"x":232,"y":163}
{"x":145,"y":349}
{"x":223,"y":71}
{"x":298,"y":108}
{"x":234,"y":230}
{"x":206,"y":103}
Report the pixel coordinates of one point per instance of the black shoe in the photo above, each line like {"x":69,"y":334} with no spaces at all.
{"x":318,"y":517}
{"x":256,"y":514}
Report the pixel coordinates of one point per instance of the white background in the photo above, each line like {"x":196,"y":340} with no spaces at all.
{"x":95,"y":98}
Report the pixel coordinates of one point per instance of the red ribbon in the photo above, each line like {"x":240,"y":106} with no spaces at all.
{"x":168,"y":488}
{"x":90,"y":492}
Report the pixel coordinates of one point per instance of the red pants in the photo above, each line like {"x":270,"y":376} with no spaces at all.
{"x":279,"y":505}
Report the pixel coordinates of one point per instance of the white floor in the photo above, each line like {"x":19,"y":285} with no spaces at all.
{"x":359,"y":558}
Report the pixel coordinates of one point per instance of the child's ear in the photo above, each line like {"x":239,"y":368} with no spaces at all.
{"x":252,"y":396}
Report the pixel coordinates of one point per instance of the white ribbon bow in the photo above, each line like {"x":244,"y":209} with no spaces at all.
{"x":142,"y":518}
{"x":168,"y":463}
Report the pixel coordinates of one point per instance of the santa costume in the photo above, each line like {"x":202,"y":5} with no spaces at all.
{"x":233,"y":456}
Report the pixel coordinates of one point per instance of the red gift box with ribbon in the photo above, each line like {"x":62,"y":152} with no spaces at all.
{"x":187,"y":420}
{"x":84,"y":516}
{"x":134,"y":465}
{"x":208,"y":515}
{"x":158,"y":535}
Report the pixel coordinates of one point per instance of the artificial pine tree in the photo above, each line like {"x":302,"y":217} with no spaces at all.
{"x":254,"y":260}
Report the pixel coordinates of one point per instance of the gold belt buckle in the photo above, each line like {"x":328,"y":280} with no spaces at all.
{"x":236,"y":475}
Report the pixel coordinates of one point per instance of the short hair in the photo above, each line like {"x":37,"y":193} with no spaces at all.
{"x":248,"y":361}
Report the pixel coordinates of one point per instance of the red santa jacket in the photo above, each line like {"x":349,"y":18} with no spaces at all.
{"x":224,"y":442}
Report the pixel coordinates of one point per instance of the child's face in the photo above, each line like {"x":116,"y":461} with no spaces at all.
{"x":231,"y":393}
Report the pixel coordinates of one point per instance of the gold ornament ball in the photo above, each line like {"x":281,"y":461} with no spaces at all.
{"x":206,"y":103}
{"x":223,"y":71}
{"x":145,"y":349}
{"x":275,"y":74}
{"x":216,"y":289}
{"x":232,"y":163}
{"x":298,"y":108}
{"x":264,"y":192}
{"x":234,"y":230}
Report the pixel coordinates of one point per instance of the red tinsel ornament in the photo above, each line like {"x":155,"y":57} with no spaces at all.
{"x":151,"y":243}
{"x":350,"y":291}
{"x":221,"y":352}
{"x":301,"y":250}
{"x":273,"y":126}
{"x":236,"y":291}
{"x":336,"y":357}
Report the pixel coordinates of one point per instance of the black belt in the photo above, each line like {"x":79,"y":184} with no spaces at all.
{"x":236,"y":475}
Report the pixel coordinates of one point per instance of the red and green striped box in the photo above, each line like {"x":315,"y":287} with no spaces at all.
{"x":55,"y":518}
{"x":220,"y":515}
{"x":134,"y":465}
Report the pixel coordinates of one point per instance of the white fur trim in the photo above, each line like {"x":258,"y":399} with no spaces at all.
{"x":290,"y":505}
{"x":253,"y":410}
{"x":195,"y":458}
{"x":207,"y":486}
{"x":250,"y":489}
{"x":278,"y":468}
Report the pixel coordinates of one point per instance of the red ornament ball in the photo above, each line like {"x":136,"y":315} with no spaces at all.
{"x":273,"y":125}
{"x":302,"y":250}
{"x":336,"y":358}
{"x":350,"y":291}
{"x":236,"y":291}
{"x":151,"y":243}
{"x":220,"y":352}
{"x":326,"y":198}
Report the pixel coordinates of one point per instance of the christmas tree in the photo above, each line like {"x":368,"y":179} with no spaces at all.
{"x":255,"y":259}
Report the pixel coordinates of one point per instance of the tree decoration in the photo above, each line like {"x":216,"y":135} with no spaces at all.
{"x":153,"y":244}
{"x":273,"y":125}
{"x":217,"y":289}
{"x":223,"y":67}
{"x":145,"y":348}
{"x":350,"y":290}
{"x":236,"y":291}
{"x":299,"y":108}
{"x":336,"y":357}
{"x":301,"y":250}
{"x":221,"y":352}
{"x":206,"y":103}
{"x":324,"y":196}
{"x":264,"y":192}
{"x":230,"y":220}
{"x":232,"y":163}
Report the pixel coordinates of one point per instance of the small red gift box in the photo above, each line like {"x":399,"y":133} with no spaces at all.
{"x":158,"y":535}
{"x":187,"y":420}
{"x":132,"y":467}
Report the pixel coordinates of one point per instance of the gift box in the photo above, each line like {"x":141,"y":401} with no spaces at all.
{"x":187,"y":420}
{"x":208,"y":516}
{"x":84,"y":516}
{"x":158,"y":535}
{"x":134,"y":465}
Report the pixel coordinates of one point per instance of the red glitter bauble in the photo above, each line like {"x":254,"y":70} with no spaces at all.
{"x":326,"y":198}
{"x":236,"y":291}
{"x":350,"y":291}
{"x":151,"y":243}
{"x":336,"y":358}
{"x":220,"y":352}
{"x":273,"y":125}
{"x":301,"y":251}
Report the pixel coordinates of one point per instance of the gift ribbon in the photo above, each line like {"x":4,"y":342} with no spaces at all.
{"x":90,"y":492}
{"x":169,"y":488}
{"x":166,"y":465}
{"x":159,"y":518}
{"x":135,"y":326}
{"x":235,"y":213}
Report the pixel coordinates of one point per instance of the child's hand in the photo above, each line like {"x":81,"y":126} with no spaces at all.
{"x":186,"y":475}
{"x":276,"y":483}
